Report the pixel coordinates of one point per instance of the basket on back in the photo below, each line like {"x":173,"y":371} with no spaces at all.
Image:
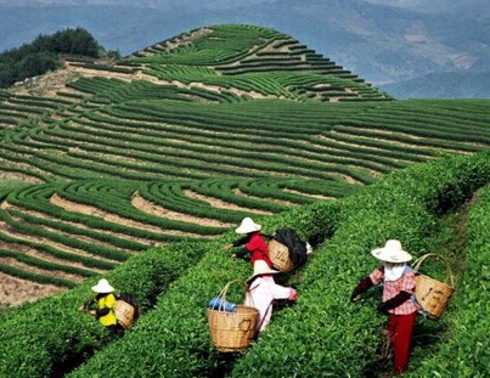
{"x":433,"y":296}
{"x":232,"y":331}
{"x":279,"y":256}
{"x":287,"y":251}
{"x":125,"y":313}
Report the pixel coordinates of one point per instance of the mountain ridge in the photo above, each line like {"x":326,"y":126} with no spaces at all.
{"x":383,"y":44}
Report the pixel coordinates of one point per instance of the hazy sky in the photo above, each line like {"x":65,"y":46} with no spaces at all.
{"x":432,"y":6}
{"x":164,"y":3}
{"x":141,"y":3}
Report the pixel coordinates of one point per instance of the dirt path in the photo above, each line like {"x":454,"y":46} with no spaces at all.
{"x":82,"y":238}
{"x":238,"y":192}
{"x":150,"y":208}
{"x":26,"y":250}
{"x":5,"y":175}
{"x":7,"y":230}
{"x":317,"y":196}
{"x":149,"y":242}
{"x":220,"y":204}
{"x":45,"y":272}
{"x":113,"y":218}
{"x":15,"y":291}
{"x":48,"y":84}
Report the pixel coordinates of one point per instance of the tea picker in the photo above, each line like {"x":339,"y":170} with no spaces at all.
{"x":255,"y":244}
{"x":398,"y":292}
{"x":262,"y":291}
{"x":232,"y":327}
{"x":284,"y":251}
{"x":115,"y":313}
{"x":105,"y":301}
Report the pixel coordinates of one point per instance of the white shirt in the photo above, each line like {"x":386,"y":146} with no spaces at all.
{"x":260,"y":295}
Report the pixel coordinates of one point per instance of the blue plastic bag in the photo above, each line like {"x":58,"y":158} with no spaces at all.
{"x":222,"y":305}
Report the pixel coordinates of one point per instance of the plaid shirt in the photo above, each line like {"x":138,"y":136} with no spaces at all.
{"x":391,"y":288}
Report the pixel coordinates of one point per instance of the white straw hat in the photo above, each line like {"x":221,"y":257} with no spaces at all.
{"x":392,"y":252}
{"x":248,"y":225}
{"x":103,"y":287}
{"x":261,"y":268}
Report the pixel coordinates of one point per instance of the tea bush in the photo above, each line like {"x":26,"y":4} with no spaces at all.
{"x":324,"y":334}
{"x":50,"y":337}
{"x":464,"y":350}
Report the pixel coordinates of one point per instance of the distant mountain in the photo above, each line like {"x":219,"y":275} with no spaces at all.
{"x":442,"y":85}
{"x":474,"y":7}
{"x":383,"y":44}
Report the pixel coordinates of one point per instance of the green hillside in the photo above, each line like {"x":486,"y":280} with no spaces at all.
{"x":139,"y":170}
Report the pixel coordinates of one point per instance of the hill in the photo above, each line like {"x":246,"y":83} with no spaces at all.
{"x":383,"y":44}
{"x":138,"y":169}
{"x":121,"y":157}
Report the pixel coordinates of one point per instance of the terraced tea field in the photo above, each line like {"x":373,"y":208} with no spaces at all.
{"x":139,"y":170}
{"x":180,"y":141}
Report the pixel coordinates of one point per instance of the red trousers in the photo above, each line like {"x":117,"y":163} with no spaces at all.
{"x":400,"y":332}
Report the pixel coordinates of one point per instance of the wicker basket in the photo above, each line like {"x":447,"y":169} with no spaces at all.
{"x":279,"y":256}
{"x":433,"y":296}
{"x":232,"y":331}
{"x":124,"y":313}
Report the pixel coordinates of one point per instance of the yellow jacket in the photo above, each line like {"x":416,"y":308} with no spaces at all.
{"x":107,"y":302}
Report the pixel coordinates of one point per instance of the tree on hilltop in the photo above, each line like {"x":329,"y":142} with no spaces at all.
{"x":43,"y":54}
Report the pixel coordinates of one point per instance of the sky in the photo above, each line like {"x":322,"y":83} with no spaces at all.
{"x":164,"y":3}
{"x":423,"y":6}
{"x":141,"y":3}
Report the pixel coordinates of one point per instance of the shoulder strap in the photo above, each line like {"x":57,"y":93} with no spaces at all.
{"x":265,"y":314}
{"x":413,"y":298}
{"x":406,"y":270}
{"x":267,"y":236}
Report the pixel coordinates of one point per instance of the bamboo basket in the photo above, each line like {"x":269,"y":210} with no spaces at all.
{"x":124,"y":313}
{"x":232,"y":331}
{"x":279,"y":256}
{"x":433,"y":296}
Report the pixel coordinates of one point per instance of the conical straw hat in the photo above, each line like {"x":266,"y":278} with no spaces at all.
{"x":247,"y":226}
{"x":103,"y":287}
{"x":392,"y":252}
{"x":261,"y":268}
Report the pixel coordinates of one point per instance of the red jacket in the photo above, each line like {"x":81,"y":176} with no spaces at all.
{"x":256,"y":246}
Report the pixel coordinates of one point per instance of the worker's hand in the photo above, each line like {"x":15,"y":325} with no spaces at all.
{"x":92,"y":312}
{"x":81,"y":308}
{"x":383,"y":308}
{"x":227,"y":247}
{"x":361,"y":287}
{"x":354,"y":296}
{"x":293,"y":295}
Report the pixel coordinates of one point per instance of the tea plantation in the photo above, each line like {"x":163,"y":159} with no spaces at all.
{"x":139,"y":170}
